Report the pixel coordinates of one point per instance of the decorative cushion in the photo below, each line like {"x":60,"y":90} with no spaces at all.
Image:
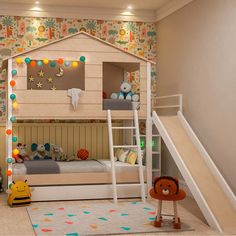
{"x":118,"y":152}
{"x":132,"y":157}
{"x":123,"y":156}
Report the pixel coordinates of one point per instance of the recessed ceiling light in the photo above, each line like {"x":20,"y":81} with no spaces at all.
{"x":37,"y":2}
{"x":130,"y":7}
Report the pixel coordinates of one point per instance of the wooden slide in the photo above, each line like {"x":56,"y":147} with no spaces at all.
{"x":213,"y":195}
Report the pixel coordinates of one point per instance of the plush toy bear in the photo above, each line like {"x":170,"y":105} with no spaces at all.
{"x":125,"y":93}
{"x":40,"y":152}
{"x":22,"y":155}
{"x":57,"y":153}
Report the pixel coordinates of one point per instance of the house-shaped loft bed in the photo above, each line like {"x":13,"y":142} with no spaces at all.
{"x":101,"y":68}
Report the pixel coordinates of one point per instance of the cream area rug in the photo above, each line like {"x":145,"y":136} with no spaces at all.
{"x":94,"y":218}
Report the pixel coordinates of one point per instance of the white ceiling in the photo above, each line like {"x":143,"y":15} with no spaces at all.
{"x":115,"y":4}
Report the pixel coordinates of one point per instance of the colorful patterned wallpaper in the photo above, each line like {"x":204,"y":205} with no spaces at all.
{"x":18,"y":34}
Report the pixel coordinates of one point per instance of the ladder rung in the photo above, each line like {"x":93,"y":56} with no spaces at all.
{"x":125,"y":146}
{"x":127,"y":185}
{"x":122,"y":127}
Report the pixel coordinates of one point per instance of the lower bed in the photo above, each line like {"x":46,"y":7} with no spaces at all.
{"x":80,"y":172}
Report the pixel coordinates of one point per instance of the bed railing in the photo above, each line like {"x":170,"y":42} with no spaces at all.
{"x":179,"y":104}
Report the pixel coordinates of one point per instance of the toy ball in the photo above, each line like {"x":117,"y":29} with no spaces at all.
{"x":9,"y":160}
{"x":13,"y":96}
{"x":33,"y":63}
{"x":60,"y":61}
{"x":45,"y":61}
{"x":39,"y":63}
{"x":13,"y":119}
{"x":67,"y":63}
{"x":14,"y":72}
{"x":19,"y":60}
{"x":12,"y":83}
{"x":53,"y":64}
{"x":82,"y":58}
{"x":83,"y":154}
{"x":14,"y":139}
{"x":8,"y":132}
{"x":27,"y":60}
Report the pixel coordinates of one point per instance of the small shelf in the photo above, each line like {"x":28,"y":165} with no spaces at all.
{"x":155,"y":152}
{"x":144,"y":135}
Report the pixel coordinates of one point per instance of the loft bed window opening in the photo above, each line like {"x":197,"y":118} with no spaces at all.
{"x":121,"y":85}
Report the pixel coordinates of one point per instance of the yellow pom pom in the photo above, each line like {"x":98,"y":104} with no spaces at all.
{"x":19,"y":60}
{"x":15,"y":152}
{"x":14,"y":105}
{"x":45,"y":61}
{"x":75,"y":64}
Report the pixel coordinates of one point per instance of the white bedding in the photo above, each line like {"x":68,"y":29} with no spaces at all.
{"x":73,"y":167}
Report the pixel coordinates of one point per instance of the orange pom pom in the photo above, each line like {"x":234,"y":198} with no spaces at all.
{"x":12,"y":83}
{"x":60,"y":61}
{"x":9,"y":173}
{"x":33,"y":63}
{"x":8,"y":131}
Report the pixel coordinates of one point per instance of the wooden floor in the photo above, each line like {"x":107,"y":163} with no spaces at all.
{"x":15,"y":221}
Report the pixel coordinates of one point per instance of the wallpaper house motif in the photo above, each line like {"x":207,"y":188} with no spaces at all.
{"x":18,"y":34}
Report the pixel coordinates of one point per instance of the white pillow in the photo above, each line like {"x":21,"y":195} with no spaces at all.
{"x":123,"y":156}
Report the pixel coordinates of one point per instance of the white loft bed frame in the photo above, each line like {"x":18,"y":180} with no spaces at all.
{"x":57,"y":188}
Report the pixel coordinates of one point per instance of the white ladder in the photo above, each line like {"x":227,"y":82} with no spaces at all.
{"x":137,"y":147}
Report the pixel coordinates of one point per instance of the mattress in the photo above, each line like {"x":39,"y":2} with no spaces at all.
{"x":75,"y":167}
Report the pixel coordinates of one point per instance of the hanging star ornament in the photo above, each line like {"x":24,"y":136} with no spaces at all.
{"x":50,"y":79}
{"x":39,"y":85}
{"x":31,"y":78}
{"x":53,"y":88}
{"x":41,"y":73}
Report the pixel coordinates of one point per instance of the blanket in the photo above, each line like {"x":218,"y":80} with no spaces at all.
{"x":42,"y":167}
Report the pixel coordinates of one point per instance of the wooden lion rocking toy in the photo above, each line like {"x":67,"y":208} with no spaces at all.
{"x":166,"y":188}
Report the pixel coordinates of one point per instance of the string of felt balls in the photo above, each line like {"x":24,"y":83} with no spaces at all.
{"x":33,"y":63}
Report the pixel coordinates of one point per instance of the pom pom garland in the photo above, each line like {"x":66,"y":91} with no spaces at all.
{"x":82,"y":58}
{"x":12,"y":83}
{"x":8,"y":131}
{"x":27,"y":60}
{"x":33,"y":63}
{"x":14,"y":72}
{"x":12,"y":96}
{"x":14,"y":139}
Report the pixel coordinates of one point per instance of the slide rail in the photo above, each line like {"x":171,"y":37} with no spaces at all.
{"x":179,"y":104}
